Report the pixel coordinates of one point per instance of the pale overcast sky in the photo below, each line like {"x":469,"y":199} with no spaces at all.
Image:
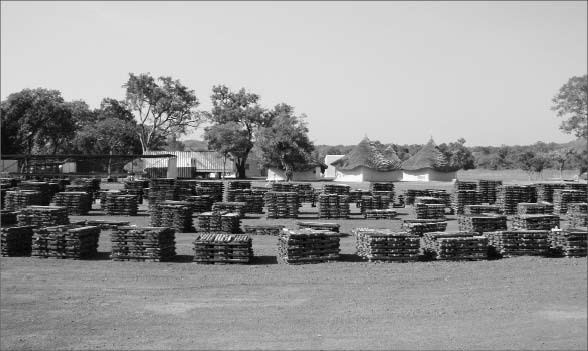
{"x":398,"y":72}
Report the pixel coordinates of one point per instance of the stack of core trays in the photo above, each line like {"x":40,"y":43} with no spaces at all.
{"x":481,"y":223}
{"x":536,"y":221}
{"x":106,"y":224}
{"x":219,"y":222}
{"x":508,"y":243}
{"x":200,"y":203}
{"x":544,"y":191}
{"x":93,"y":184}
{"x":480,"y":209}
{"x":161,"y":189}
{"x":534,"y":208}
{"x":213,"y":188}
{"x":236,"y":185}
{"x":463,"y":185}
{"x":223,"y":248}
{"x":356,"y":195}
{"x":337,"y":189}
{"x":281,"y":204}
{"x":455,"y":246}
{"x":102,"y":194}
{"x":578,"y":214}
{"x":333,"y":206}
{"x":509,"y":196}
{"x":8,"y":218}
{"x":77,"y":203}
{"x":135,"y":187}
{"x":173,"y":214}
{"x":386,"y":245}
{"x":121,"y":205}
{"x":132,"y":243}
{"x":16,"y":241}
{"x":428,"y":200}
{"x":15,"y":200}
{"x":263,"y":229}
{"x":561,"y":198}
{"x":253,"y":202}
{"x":41,"y":187}
{"x":42,"y":216}
{"x":235,"y":207}
{"x":430,"y":211}
{"x":386,"y":213}
{"x":569,"y":242}
{"x":462,"y":198}
{"x":421,"y":226}
{"x":374,"y":202}
{"x":307,"y":246}
{"x":65,"y":241}
{"x":488,"y":190}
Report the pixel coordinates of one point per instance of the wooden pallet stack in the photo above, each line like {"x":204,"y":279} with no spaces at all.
{"x":462,"y":198}
{"x":306,"y":192}
{"x":237,"y":185}
{"x":561,"y":198}
{"x":41,"y":187}
{"x":153,"y":244}
{"x":569,"y":242}
{"x":480,"y":209}
{"x":421,"y":226}
{"x":214,"y":188}
{"x":307,"y":246}
{"x":8,"y":218}
{"x":385,"y":213}
{"x":281,"y":204}
{"x":263,"y":229}
{"x":455,"y":246}
{"x":92,"y":183}
{"x":442,"y":195}
{"x":356,"y":195}
{"x":544,"y":191}
{"x":16,"y":241}
{"x":185,"y":188}
{"x":200,"y":203}
{"x":15,"y":200}
{"x":65,"y":241}
{"x":411,"y":194}
{"x":176,"y":215}
{"x":338,"y":189}
{"x":135,"y":187}
{"x":577,"y":186}
{"x":104,"y":193}
{"x":509,"y":243}
{"x":374,"y":202}
{"x":464,"y":185}
{"x":161,"y":189}
{"x":105,"y":224}
{"x":385,"y":245}
{"x":481,"y":223}
{"x":121,"y":205}
{"x":488,"y":190}
{"x":332,"y":227}
{"x":235,"y":207}
{"x":534,"y":208}
{"x":77,"y":203}
{"x":333,"y":206}
{"x":385,"y":189}
{"x":42,"y":216}
{"x":219,"y":222}
{"x":223,"y":249}
{"x":428,"y":200}
{"x":430,"y":211}
{"x":578,"y":214}
{"x":511,"y":195}
{"x":253,"y":202}
{"x":536,"y":221}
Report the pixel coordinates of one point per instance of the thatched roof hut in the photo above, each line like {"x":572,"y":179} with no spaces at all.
{"x":428,"y":164}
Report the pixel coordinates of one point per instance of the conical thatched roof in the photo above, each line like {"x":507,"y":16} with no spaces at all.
{"x":367,"y":155}
{"x":428,"y":157}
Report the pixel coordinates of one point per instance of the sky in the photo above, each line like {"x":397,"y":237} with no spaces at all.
{"x":397,"y":72}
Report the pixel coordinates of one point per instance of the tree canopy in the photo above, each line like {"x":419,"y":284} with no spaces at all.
{"x":571,"y":102}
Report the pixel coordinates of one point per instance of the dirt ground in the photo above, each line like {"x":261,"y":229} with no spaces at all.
{"x":514,"y":303}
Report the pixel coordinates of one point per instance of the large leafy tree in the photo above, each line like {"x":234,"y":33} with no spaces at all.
{"x":571,"y":102}
{"x":458,"y":155}
{"x":228,"y":139}
{"x":242,"y":109}
{"x":35,"y":121}
{"x":285,"y":142}
{"x":163,"y":107}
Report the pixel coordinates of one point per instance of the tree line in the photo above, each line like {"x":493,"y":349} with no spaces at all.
{"x":156,"y":112}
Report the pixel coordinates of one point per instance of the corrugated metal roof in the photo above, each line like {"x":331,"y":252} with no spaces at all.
{"x":201,"y":161}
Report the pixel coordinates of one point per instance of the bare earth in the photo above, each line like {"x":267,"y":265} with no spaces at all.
{"x":515,"y":303}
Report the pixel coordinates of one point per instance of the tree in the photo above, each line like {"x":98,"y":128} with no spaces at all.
{"x":35,"y":121}
{"x":531,"y":162}
{"x":571,"y":103}
{"x":560,"y":157}
{"x":285,"y":143}
{"x":241,"y":108}
{"x":458,"y":156}
{"x":228,"y":139}
{"x":163,"y":107}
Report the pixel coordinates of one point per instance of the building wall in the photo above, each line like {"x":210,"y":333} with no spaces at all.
{"x":364,"y":174}
{"x":330,"y":172}
{"x":428,"y":175}
{"x":274,"y":174}
{"x":9,"y":166}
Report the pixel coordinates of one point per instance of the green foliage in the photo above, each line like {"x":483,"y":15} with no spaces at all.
{"x":458,"y":156}
{"x":243,"y":111}
{"x":228,"y":139}
{"x":285,"y":143}
{"x":571,"y":103}
{"x":35,"y":121}
{"x":163,"y":107}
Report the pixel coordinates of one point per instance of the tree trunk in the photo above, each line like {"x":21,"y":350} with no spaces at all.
{"x":240,"y":165}
{"x":109,"y":162}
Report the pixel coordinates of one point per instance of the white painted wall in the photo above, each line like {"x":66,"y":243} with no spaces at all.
{"x":428,"y":175}
{"x":274,"y":174}
{"x":330,"y":172}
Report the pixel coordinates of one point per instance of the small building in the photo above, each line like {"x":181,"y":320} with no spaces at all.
{"x":428,"y":164}
{"x":365,"y":163}
{"x":330,"y":171}
{"x":188,"y":164}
